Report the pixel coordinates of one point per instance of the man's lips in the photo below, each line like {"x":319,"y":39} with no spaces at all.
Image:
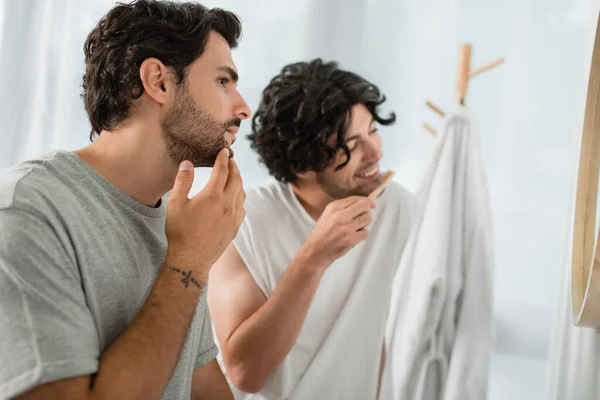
{"x":232,"y":130}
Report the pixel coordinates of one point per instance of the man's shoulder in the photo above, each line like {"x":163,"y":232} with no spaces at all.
{"x":263,"y":197}
{"x":47,"y":189}
{"x":28,"y":182}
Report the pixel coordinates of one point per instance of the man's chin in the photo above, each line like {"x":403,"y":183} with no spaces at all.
{"x":203,"y":161}
{"x":363,"y":191}
{"x":368,"y":187}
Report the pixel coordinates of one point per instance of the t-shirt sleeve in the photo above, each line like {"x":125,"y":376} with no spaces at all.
{"x":207,"y":350}
{"x":244,"y":244}
{"x":47,"y":331}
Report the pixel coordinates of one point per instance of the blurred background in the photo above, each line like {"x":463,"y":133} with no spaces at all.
{"x":529,"y":112}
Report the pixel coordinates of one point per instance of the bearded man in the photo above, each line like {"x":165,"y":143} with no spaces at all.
{"x":100,"y":298}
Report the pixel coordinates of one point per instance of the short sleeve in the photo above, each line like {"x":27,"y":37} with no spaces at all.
{"x":47,"y":331}
{"x":207,"y":350}
{"x":244,"y":244}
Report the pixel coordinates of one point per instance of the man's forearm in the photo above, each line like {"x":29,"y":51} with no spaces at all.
{"x":259,"y":345}
{"x":139,"y":364}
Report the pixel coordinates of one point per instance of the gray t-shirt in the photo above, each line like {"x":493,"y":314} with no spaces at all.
{"x":77,"y":260}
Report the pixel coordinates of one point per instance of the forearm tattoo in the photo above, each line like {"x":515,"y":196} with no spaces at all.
{"x":187,"y":277}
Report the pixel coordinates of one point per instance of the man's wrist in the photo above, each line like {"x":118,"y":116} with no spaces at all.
{"x":309,"y":258}
{"x":187,"y":278}
{"x":191,"y":274}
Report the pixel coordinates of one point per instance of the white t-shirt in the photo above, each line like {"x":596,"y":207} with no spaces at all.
{"x":337,"y":354}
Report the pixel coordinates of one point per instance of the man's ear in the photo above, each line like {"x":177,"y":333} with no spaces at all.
{"x":158,"y":80}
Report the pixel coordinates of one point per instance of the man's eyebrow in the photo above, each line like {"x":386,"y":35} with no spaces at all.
{"x":232,"y":72}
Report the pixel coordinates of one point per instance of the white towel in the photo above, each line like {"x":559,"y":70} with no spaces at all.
{"x":439,"y":329}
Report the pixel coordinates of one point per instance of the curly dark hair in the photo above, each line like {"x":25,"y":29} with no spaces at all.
{"x":301,"y":109}
{"x":174,"y":33}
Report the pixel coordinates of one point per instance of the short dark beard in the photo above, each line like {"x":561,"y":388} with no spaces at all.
{"x":193,"y":134}
{"x":330,"y":186}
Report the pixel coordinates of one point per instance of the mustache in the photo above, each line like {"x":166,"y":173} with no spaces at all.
{"x":233,"y":122}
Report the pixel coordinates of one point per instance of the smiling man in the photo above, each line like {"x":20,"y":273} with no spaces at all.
{"x":101,"y":283}
{"x":300,"y":298}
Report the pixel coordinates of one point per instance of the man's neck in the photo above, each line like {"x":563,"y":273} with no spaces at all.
{"x":312,"y":198}
{"x":133,"y":158}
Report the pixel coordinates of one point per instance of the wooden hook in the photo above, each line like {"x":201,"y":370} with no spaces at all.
{"x":486,"y":67}
{"x":429,"y":129}
{"x":462,"y":78}
{"x":436,"y":109}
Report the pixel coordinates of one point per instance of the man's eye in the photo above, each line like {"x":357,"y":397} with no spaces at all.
{"x":223,"y":81}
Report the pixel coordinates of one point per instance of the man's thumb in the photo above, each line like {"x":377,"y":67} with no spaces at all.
{"x":184,"y":179}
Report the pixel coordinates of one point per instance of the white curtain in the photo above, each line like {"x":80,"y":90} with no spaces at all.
{"x":41,"y":65}
{"x":526,"y":107}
